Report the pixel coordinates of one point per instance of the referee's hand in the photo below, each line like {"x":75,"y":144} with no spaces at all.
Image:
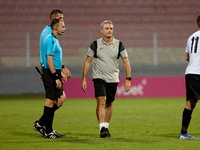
{"x":58,"y":84}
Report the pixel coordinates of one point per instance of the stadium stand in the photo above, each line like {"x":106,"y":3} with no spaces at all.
{"x":135,"y":22}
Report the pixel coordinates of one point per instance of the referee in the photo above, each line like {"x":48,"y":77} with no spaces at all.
{"x":52,"y":75}
{"x":55,"y":14}
{"x":192,"y":80}
{"x":106,"y":51}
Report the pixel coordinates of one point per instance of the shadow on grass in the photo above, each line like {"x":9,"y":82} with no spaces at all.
{"x":92,"y":138}
{"x":98,"y":140}
{"x":35,"y":137}
{"x":169,"y":135}
{"x":133,"y":140}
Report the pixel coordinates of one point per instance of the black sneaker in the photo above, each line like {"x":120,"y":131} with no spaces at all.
{"x":39,"y":128}
{"x":103,"y":132}
{"x":109,"y":135}
{"x":52,"y":135}
{"x":58,"y":133}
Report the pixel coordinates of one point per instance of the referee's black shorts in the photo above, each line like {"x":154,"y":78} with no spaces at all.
{"x":50,"y":85}
{"x":192,"y":82}
{"x":103,"y":88}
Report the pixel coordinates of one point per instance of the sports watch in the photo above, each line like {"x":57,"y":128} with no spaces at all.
{"x":128,"y":78}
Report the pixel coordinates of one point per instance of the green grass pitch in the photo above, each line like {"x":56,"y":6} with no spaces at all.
{"x":136,"y":124}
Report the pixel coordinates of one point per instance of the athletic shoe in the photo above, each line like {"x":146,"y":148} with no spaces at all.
{"x":109,"y":135}
{"x":103,"y":132}
{"x":52,"y":135}
{"x":186,"y":136}
{"x":59,"y":134}
{"x":39,"y":128}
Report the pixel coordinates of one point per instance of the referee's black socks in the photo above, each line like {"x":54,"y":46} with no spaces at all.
{"x":187,"y":115}
{"x":55,"y":107}
{"x":48,"y":115}
{"x":41,"y":120}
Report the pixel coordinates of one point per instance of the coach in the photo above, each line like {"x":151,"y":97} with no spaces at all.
{"x":106,"y":51}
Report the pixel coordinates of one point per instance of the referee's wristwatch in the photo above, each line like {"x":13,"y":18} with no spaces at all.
{"x":128,"y":78}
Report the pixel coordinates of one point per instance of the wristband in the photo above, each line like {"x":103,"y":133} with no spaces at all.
{"x":63,"y":66}
{"x":55,"y":76}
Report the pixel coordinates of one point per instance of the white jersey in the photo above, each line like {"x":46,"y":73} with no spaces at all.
{"x":193,"y":49}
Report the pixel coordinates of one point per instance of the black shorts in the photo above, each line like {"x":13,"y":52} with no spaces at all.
{"x":50,"y":85}
{"x":192,"y":83}
{"x":105,"y":89}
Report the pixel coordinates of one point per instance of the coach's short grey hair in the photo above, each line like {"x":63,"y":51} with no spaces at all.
{"x":106,"y":21}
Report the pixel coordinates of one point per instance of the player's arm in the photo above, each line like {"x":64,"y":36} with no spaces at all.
{"x":187,"y":51}
{"x":53,"y":71}
{"x":66,"y":71}
{"x":187,"y":57}
{"x":86,"y":68}
{"x":127,"y":67}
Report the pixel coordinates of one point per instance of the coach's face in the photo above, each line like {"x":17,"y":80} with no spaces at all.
{"x":61,"y":28}
{"x":107,"y":30}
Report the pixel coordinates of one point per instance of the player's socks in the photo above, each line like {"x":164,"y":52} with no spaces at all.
{"x":49,"y":114}
{"x":101,"y":125}
{"x":106,"y":124}
{"x":187,"y":115}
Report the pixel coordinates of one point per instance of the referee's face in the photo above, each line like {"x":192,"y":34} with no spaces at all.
{"x":61,"y":28}
{"x":107,"y":30}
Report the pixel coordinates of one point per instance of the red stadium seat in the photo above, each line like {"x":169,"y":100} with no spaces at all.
{"x":134,"y":21}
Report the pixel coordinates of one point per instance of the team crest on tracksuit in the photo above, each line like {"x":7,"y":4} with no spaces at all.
{"x":113,"y":48}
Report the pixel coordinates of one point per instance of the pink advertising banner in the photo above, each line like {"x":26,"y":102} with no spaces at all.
{"x":140,"y":87}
